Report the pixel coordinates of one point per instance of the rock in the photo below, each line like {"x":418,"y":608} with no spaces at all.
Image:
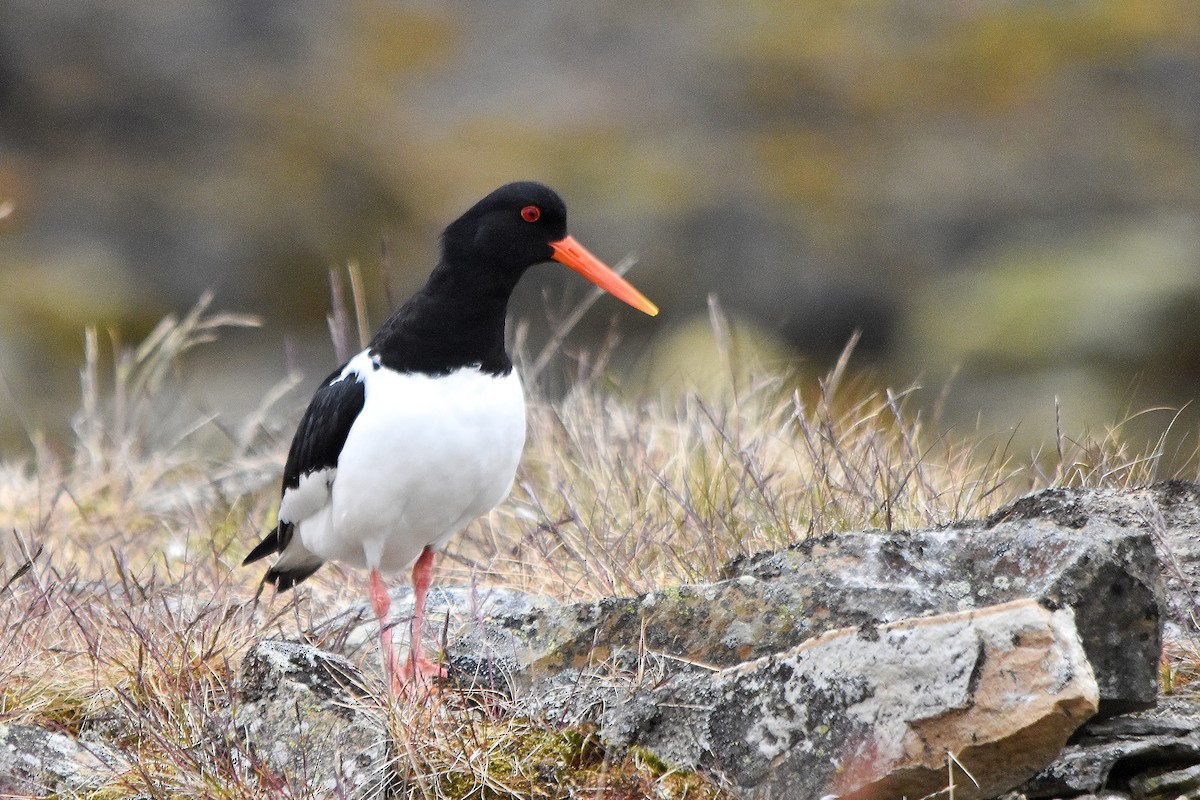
{"x":355,"y":631}
{"x":1168,"y":511}
{"x":1126,"y":755}
{"x":301,"y":712}
{"x":772,"y":602}
{"x":1132,"y":727}
{"x":872,"y":712}
{"x":1086,"y":553}
{"x":1178,"y":783}
{"x":1108,"y":574}
{"x":1087,"y":768}
{"x":36,"y":761}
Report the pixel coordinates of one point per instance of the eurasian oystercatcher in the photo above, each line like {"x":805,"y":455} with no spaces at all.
{"x":420,"y":433}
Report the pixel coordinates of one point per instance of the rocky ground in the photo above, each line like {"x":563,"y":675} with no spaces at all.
{"x":1021,"y":656}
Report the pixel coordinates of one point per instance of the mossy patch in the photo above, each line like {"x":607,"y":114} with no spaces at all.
{"x":540,"y":763}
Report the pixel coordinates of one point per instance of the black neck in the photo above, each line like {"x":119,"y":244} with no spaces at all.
{"x":455,"y":321}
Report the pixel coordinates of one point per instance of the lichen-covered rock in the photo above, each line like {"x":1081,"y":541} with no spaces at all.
{"x":1109,"y":574}
{"x":35,"y":761}
{"x":1168,"y":785}
{"x":1127,"y":754}
{"x":355,"y":631}
{"x":1090,"y":552}
{"x":872,"y":712}
{"x":1168,"y":511}
{"x":302,"y":711}
{"x":772,"y":602}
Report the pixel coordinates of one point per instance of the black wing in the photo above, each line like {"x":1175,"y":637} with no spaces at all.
{"x":325,"y":426}
{"x":318,"y":442}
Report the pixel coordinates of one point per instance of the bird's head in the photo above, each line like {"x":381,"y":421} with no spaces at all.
{"x":522,"y":224}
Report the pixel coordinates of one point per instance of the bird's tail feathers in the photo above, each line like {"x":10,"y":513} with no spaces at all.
{"x":291,"y":568}
{"x":271,"y":543}
{"x":286,"y":578}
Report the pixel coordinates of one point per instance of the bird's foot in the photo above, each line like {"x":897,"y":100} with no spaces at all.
{"x":421,"y":670}
{"x":417,"y":676}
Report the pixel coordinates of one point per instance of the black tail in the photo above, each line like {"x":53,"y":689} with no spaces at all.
{"x":284,"y":579}
{"x":272,"y":543}
{"x":275,"y":542}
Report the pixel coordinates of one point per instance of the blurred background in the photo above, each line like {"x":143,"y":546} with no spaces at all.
{"x":1003,"y":197}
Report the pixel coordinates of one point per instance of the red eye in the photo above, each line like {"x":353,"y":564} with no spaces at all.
{"x":531,"y":213}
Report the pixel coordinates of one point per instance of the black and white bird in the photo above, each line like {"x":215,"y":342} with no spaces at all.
{"x":420,"y":433}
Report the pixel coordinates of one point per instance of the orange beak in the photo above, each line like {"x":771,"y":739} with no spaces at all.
{"x":574,"y":255}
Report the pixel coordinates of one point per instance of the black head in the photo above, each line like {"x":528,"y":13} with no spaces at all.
{"x":510,"y":230}
{"x":457,"y":318}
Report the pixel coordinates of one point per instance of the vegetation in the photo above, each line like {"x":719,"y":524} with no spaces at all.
{"x":124,"y":610}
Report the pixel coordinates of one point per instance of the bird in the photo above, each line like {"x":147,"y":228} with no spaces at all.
{"x":420,"y":433}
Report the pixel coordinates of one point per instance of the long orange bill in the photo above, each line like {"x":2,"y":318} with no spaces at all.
{"x":574,"y":255}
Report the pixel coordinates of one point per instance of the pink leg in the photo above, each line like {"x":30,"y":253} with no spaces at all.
{"x":416,"y":666}
{"x":381,"y":601}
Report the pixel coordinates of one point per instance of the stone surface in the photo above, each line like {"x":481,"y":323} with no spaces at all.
{"x":1123,"y":755}
{"x":1088,"y":551}
{"x":871,"y":712}
{"x":1108,"y":574}
{"x":1177,"y":783}
{"x":35,"y":761}
{"x":1168,"y":511}
{"x":771,"y":602}
{"x":300,"y":710}
{"x":1098,"y":766}
{"x":354,"y":633}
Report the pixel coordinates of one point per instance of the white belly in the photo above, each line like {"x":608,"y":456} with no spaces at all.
{"x":425,"y":456}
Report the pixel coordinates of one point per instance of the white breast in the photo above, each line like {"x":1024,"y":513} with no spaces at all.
{"x":425,"y":456}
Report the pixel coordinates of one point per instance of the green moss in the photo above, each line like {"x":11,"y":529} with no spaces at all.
{"x":648,"y":759}
{"x":536,"y":763}
{"x":45,"y":705}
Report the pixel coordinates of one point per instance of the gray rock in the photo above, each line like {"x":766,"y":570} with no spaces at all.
{"x":1123,"y":754}
{"x":1133,"y":727}
{"x":772,"y":602}
{"x":872,"y":713}
{"x":354,"y":633}
{"x":1085,"y":551}
{"x":1169,"y":512}
{"x":1088,"y":767}
{"x":1108,"y":574}
{"x":303,"y":712}
{"x":36,"y":761}
{"x":1168,"y":785}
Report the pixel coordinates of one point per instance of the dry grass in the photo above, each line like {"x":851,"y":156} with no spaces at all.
{"x":125,"y":613}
